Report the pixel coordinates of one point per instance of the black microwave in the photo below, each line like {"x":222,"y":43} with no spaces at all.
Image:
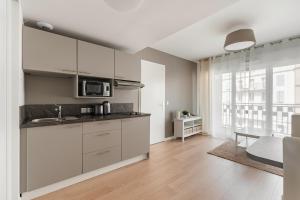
{"x":94,"y":87}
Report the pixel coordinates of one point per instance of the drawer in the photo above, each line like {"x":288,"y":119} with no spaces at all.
{"x":102,"y":158}
{"x":101,"y":140}
{"x":89,"y":127}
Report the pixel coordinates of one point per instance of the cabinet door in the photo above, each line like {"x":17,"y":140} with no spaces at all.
{"x":48,"y":52}
{"x":95,"y":60}
{"x":127,"y":66}
{"x":135,"y":137}
{"x":54,"y":153}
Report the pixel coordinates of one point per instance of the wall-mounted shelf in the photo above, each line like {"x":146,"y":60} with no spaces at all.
{"x":185,"y":127}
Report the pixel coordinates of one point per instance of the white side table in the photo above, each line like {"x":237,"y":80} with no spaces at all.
{"x":185,"y":127}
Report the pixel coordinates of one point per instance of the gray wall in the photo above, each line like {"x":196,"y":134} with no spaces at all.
{"x":180,"y":82}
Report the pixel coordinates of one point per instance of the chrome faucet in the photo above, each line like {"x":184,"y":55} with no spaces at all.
{"x":59,"y":109}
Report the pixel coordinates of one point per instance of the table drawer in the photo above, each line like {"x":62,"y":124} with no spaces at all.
{"x":101,"y":140}
{"x":89,"y":127}
{"x":102,"y":158}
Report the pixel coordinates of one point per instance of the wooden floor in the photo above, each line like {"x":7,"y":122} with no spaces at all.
{"x":178,"y":171}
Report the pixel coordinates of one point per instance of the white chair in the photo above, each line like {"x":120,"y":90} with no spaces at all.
{"x":291,"y":162}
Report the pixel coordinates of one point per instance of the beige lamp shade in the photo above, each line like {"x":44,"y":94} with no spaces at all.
{"x":239,"y":40}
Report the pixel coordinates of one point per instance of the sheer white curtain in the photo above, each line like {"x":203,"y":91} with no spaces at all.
{"x":256,"y":90}
{"x":204,"y":94}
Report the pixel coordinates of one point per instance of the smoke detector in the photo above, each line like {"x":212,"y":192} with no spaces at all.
{"x":45,"y":26}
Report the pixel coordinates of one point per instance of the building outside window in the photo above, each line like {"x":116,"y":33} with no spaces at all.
{"x":253,"y":110}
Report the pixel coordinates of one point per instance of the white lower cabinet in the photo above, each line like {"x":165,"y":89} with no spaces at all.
{"x":185,"y":127}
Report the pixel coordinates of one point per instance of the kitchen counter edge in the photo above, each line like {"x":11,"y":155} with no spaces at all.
{"x":88,"y":118}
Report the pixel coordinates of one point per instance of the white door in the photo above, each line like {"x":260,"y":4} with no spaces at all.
{"x":153,"y":98}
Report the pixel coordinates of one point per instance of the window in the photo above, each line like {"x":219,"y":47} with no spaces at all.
{"x":250,"y":110}
{"x":226,"y":99}
{"x":280,"y":80}
{"x":284,"y":99}
{"x":280,"y":97}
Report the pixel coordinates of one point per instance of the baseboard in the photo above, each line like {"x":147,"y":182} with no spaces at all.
{"x":204,"y":133}
{"x":65,"y":183}
{"x":173,"y":137}
{"x":169,"y":138}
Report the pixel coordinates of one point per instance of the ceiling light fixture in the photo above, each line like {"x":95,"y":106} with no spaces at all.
{"x":123,"y":5}
{"x":239,"y":40}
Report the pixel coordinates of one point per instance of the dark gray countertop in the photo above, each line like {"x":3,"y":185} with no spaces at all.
{"x":83,"y":118}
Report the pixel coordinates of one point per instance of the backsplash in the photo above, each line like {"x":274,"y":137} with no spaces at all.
{"x":29,"y":112}
{"x":60,"y":90}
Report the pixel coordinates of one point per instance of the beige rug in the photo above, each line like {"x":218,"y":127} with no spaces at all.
{"x":229,"y":151}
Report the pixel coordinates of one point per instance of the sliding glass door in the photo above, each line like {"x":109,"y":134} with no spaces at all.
{"x":285,"y":98}
{"x":260,"y":101}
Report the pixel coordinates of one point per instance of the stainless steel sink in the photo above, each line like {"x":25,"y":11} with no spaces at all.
{"x":54,"y":119}
{"x":45,"y":120}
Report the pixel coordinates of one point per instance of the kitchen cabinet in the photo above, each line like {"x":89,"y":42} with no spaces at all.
{"x":95,"y":60}
{"x":101,"y":144}
{"x":101,"y":140}
{"x":50,"y":154}
{"x":91,"y":127}
{"x":135,"y":137}
{"x":48,"y":52}
{"x":127,"y":66}
{"x":54,"y":153}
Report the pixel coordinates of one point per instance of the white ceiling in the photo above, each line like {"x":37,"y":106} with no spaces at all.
{"x":131,"y":31}
{"x":270,"y":19}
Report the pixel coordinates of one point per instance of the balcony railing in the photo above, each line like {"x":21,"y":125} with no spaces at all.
{"x":257,"y":117}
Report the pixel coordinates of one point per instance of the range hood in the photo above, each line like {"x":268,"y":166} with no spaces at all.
{"x":121,"y":84}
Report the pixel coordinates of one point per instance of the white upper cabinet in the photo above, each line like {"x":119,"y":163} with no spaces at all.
{"x":127,"y":66}
{"x":95,"y":60}
{"x":48,"y":52}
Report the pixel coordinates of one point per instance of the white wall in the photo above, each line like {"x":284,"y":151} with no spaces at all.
{"x":3,"y":129}
{"x":13,"y":87}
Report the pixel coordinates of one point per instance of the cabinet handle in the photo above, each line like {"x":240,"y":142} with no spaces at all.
{"x":120,"y":77}
{"x":101,"y":153}
{"x":102,"y":134}
{"x":126,"y":120}
{"x":68,"y":70}
{"x":103,"y":123}
{"x":84,"y":72}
